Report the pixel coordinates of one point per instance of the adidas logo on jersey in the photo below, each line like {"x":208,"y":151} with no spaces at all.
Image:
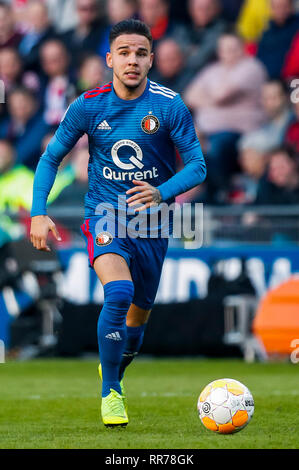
{"x":104,"y":126}
{"x":115,"y":336}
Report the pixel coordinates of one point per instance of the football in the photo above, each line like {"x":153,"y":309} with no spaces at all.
{"x":225,"y":406}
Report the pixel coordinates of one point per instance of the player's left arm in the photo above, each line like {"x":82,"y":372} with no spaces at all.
{"x":184,"y":137}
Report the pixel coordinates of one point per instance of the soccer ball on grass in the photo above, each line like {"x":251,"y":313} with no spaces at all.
{"x":225,"y":406}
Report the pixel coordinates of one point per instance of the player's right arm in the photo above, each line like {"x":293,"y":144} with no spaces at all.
{"x":71,"y":128}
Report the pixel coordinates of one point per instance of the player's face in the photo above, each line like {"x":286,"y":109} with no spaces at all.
{"x":130,"y":58}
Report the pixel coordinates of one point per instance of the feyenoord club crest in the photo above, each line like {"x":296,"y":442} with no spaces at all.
{"x":104,"y":238}
{"x":150,"y":124}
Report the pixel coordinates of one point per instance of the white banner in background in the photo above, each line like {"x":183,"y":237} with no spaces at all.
{"x":180,"y":276}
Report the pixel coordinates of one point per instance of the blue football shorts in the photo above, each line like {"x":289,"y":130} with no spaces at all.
{"x":144,"y":256}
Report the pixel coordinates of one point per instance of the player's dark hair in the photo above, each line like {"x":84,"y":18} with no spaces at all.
{"x":130,"y":26}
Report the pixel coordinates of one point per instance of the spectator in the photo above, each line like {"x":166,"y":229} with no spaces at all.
{"x":252,"y":159}
{"x":155,"y":13}
{"x":11,"y":71}
{"x":280,"y":184}
{"x":24,"y":127}
{"x":92,"y":73}
{"x":279,"y":115}
{"x":62,"y":14}
{"x":253,"y":19}
{"x":292,"y":133}
{"x":39,"y":30}
{"x":117,"y":10}
{"x":225,"y":98}
{"x":58,"y":90}
{"x":9,"y":35}
{"x":85,"y":37}
{"x":169,"y":67}
{"x":291,"y":65}
{"x":277,"y":39}
{"x":207,"y":26}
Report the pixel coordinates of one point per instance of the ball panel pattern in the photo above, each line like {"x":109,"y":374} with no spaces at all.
{"x":225,"y":406}
{"x":205,"y":393}
{"x":227,"y":428}
{"x":209,"y":423}
{"x":240,"y":418}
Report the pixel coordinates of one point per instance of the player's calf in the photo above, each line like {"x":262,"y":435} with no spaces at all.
{"x":112,"y":332}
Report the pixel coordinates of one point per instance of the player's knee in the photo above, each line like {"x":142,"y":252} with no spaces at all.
{"x":119,"y":293}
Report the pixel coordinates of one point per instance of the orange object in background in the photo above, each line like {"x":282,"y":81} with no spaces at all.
{"x":276,"y":322}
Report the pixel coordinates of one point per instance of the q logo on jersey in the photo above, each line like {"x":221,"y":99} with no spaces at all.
{"x":134,"y":159}
{"x":150,"y":124}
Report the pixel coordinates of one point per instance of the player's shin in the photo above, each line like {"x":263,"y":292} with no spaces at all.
{"x":133,"y":344}
{"x":112,"y":331}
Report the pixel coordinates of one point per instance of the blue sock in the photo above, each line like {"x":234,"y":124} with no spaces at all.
{"x":112,"y":331}
{"x":134,"y":341}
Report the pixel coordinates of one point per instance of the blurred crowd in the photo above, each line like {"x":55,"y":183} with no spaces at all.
{"x":234,"y":62}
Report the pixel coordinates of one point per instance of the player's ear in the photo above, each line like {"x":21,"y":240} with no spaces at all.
{"x":109,"y":59}
{"x":151,"y":59}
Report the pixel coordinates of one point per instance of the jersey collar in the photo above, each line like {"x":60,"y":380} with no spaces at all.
{"x":127,"y":102}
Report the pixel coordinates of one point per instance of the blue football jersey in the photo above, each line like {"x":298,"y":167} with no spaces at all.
{"x":129,"y":140}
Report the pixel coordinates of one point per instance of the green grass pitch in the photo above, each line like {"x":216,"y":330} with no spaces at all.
{"x":55,"y":404}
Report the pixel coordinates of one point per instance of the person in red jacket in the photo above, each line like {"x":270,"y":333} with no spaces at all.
{"x":291,"y":65}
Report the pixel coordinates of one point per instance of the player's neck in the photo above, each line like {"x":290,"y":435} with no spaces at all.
{"x":126,"y":93}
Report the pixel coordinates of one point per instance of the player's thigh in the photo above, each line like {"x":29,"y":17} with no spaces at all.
{"x":146,"y":268}
{"x":111,"y":267}
{"x":137,"y":316}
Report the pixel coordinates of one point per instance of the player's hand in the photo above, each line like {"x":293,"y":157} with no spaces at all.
{"x":147,"y":195}
{"x":40,"y":227}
